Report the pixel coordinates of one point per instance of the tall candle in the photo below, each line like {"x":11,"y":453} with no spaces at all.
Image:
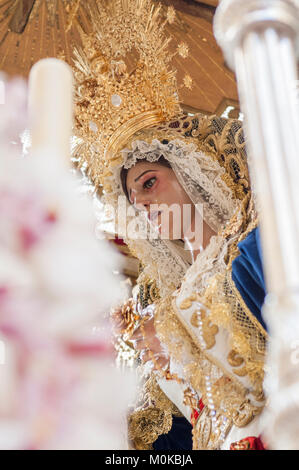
{"x":50,"y":106}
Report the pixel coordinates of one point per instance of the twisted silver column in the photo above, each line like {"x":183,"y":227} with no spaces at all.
{"x":260,"y":40}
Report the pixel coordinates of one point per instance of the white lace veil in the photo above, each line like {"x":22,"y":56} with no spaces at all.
{"x":208,"y":158}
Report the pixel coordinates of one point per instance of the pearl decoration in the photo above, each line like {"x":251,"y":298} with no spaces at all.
{"x":93,"y":127}
{"x":116,"y":100}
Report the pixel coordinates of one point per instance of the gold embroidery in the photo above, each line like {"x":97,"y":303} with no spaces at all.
{"x":259,"y":395}
{"x":241,"y":372}
{"x":148,"y":292}
{"x":209,"y":331}
{"x":230,"y":398}
{"x":247,"y":337}
{"x":245,"y":413}
{"x":226,"y":140}
{"x":207,"y":437}
{"x":202,"y":431}
{"x":146,"y":425}
{"x":152,"y":417}
{"x":190,"y":398}
{"x":234,"y":359}
{"x":243,"y":222}
{"x":187,"y":303}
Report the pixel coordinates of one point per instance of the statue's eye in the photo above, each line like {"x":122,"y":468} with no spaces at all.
{"x":149,"y":183}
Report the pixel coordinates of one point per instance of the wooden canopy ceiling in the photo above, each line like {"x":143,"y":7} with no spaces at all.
{"x":33,"y":29}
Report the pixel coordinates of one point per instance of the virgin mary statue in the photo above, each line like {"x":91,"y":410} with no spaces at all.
{"x":191,"y":221}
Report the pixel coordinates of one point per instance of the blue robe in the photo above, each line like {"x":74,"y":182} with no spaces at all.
{"x":248,"y":276}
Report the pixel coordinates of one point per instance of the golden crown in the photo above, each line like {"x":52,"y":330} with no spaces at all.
{"x":124,"y":82}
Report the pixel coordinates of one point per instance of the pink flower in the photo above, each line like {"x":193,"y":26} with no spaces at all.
{"x":25,"y":218}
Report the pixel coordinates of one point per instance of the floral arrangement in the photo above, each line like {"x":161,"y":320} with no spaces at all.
{"x":57,"y":387}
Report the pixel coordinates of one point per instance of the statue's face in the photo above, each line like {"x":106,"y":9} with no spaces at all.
{"x":154,"y":187}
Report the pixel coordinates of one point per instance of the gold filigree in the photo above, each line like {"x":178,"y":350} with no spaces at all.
{"x":225,"y":139}
{"x":188,"y":81}
{"x":170,"y":15}
{"x":242,"y":223}
{"x":190,"y":398}
{"x":241,"y":372}
{"x":151,"y":417}
{"x":202,"y":431}
{"x":209,"y":330}
{"x":203,"y":129}
{"x":154,"y":395}
{"x":247,"y":337}
{"x":245,"y":414}
{"x":148,"y":292}
{"x":235,"y":360}
{"x":146,"y":425}
{"x":205,"y":437}
{"x":183,"y":50}
{"x":187,"y":303}
{"x":259,"y":395}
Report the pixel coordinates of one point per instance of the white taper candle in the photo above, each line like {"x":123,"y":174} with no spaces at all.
{"x":51,"y":106}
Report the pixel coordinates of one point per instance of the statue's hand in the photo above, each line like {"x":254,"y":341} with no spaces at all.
{"x":146,"y":341}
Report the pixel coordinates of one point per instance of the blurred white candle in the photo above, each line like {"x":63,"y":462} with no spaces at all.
{"x":51,"y":106}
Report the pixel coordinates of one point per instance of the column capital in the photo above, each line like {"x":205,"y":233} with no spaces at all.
{"x":235,"y":18}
